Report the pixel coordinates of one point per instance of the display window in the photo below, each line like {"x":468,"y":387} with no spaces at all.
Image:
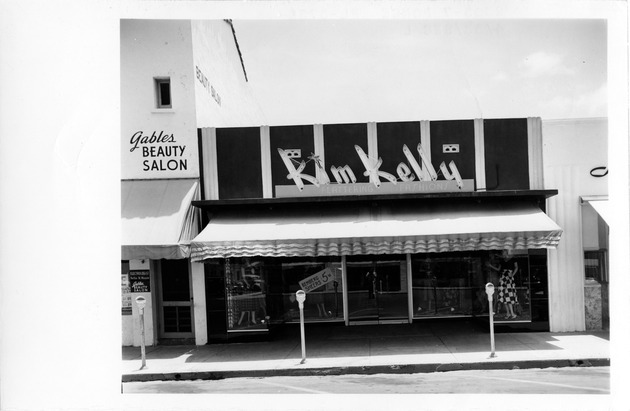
{"x":454,"y":284}
{"x":261,"y":291}
{"x":320,"y":278}
{"x":246,"y":294}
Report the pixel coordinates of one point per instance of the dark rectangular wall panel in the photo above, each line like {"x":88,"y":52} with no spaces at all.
{"x":339,"y":142}
{"x":290,"y":137}
{"x":506,"y":154}
{"x":391,"y":138}
{"x":239,"y":163}
{"x":460,"y":132}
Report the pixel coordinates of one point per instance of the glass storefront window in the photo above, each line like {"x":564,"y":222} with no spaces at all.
{"x":453,"y":284}
{"x":323,"y":303}
{"x":377,"y":288}
{"x":261,"y":291}
{"x":246,"y":294}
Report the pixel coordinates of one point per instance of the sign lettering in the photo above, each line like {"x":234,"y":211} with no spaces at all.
{"x":345,"y":175}
{"x":160,"y":150}
{"x":140,"y":281}
{"x":206,"y":84}
{"x":599,"y":171}
{"x":316,"y":280}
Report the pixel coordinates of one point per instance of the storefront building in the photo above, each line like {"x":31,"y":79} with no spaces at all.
{"x":223,"y":220}
{"x":377,"y":222}
{"x":575,"y":156}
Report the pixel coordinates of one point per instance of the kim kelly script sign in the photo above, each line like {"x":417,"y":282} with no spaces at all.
{"x":346,"y":182}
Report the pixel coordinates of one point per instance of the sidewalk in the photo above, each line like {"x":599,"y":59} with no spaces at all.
{"x":370,"y":349}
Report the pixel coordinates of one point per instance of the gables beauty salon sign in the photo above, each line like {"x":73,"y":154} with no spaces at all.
{"x":411,"y":177}
{"x":158,"y":154}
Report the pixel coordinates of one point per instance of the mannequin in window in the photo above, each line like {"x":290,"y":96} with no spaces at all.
{"x":507,"y":285}
{"x":371,"y":283}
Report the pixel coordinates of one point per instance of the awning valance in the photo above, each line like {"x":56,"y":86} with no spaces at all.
{"x":363,"y":230}
{"x":158,"y":220}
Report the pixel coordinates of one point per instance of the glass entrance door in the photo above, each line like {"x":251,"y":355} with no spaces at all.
{"x":377,"y":290}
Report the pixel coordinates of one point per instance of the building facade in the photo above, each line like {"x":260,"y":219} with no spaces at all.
{"x":224,"y":219}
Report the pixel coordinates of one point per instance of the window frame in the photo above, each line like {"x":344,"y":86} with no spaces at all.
{"x":157,"y":83}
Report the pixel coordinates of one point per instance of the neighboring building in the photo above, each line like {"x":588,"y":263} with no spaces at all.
{"x":224,"y":219}
{"x":176,"y":75}
{"x":576,"y":164}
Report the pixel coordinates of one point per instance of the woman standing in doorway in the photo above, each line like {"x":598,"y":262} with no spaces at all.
{"x":507,"y":286}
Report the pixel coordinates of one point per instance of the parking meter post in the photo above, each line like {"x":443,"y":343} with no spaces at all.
{"x":490,"y":292}
{"x":300,"y":296}
{"x":141,"y":302}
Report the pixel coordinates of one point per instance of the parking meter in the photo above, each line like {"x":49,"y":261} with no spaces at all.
{"x":300,"y":296}
{"x":490,"y":292}
{"x":142,"y":302}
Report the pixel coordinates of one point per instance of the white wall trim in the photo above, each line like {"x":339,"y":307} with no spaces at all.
{"x":535,"y":153}
{"x":565,"y":265}
{"x":344,"y":285}
{"x":409,"y":289}
{"x":209,"y":158}
{"x":265,"y":162}
{"x":372,"y":140}
{"x":480,"y":155}
{"x":318,"y":143}
{"x":425,"y":140}
{"x":199,"y":303}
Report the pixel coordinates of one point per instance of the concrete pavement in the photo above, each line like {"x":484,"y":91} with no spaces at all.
{"x":370,"y":349}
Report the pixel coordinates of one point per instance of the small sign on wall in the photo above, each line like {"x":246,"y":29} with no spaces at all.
{"x":126,"y":295}
{"x":140,"y":281}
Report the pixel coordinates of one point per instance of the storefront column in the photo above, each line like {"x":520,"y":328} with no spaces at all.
{"x":344,"y":285}
{"x":199,"y":303}
{"x":409,"y":289}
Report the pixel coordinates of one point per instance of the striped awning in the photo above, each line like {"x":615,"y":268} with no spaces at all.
{"x":158,"y":220}
{"x":362,"y":230}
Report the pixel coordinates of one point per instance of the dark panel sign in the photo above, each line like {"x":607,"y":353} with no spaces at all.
{"x":391,"y":138}
{"x":454,"y":141}
{"x":140,"y":281}
{"x":239,"y":163}
{"x":339,"y":142}
{"x":300,"y":142}
{"x":506,"y":152}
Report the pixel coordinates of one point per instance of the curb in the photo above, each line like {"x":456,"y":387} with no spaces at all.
{"x":365,"y":370}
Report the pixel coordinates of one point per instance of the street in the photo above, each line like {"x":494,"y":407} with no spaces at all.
{"x":566,"y":380}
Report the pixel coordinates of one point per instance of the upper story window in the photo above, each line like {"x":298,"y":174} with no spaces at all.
{"x":163,"y":92}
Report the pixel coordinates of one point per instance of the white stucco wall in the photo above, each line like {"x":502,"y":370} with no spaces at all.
{"x":149,"y":49}
{"x":571,"y":148}
{"x":223,"y":96}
